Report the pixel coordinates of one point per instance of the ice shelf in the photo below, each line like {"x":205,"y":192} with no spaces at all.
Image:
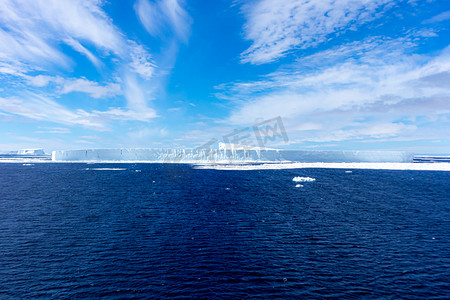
{"x":229,"y":155}
{"x":31,"y":152}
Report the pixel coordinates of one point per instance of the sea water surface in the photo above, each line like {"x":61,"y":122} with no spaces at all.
{"x":171,"y":231}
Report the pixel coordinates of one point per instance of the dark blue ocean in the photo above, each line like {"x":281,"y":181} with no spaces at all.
{"x":174,"y":232}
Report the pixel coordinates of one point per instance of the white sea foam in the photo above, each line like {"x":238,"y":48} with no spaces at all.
{"x":303,"y":179}
{"x":106,"y":169}
{"x":22,"y":160}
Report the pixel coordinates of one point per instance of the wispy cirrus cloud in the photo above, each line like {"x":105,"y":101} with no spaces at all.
{"x":163,"y":16}
{"x":42,"y":108}
{"x":69,"y":85}
{"x":77,"y":46}
{"x":438,"y":18}
{"x":32,"y":31}
{"x":137,"y":99}
{"x":31,"y":35}
{"x":53,"y":130}
{"x":92,"y":88}
{"x":277,"y":27}
{"x":32,"y":40}
{"x":141,"y":61}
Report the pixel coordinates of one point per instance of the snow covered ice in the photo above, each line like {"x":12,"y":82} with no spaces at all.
{"x":303,"y":179}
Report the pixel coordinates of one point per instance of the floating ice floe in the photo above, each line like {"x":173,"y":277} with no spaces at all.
{"x":303,"y":179}
{"x":299,"y":185}
{"x":444,"y":166}
{"x":348,"y":172}
{"x":27,"y":164}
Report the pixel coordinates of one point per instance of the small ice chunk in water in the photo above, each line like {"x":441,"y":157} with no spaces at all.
{"x":348,"y":172}
{"x":303,"y":179}
{"x":299,"y":185}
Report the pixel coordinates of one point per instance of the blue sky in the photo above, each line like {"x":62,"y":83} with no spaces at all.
{"x":342,"y":74}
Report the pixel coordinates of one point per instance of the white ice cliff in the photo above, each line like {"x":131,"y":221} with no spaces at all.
{"x":229,"y":155}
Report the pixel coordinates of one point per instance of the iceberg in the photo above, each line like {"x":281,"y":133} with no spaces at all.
{"x":228,"y":155}
{"x":39,"y":151}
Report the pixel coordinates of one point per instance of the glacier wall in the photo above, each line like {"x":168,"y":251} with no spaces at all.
{"x":229,"y":155}
{"x":31,"y":152}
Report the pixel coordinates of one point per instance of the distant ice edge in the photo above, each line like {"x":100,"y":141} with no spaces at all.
{"x":231,"y":156}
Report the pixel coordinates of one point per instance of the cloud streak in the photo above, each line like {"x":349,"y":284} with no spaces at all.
{"x":32,"y":39}
{"x":41,"y":108}
{"x":92,"y":88}
{"x":32,"y":31}
{"x":164,"y":16}
{"x":31,"y":35}
{"x":277,"y":27}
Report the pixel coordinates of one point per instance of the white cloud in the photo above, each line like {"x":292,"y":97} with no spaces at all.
{"x":439,"y":18}
{"x":308,"y":126}
{"x":83,"y":142}
{"x":144,"y":115}
{"x":31,"y":31}
{"x":43,"y":80}
{"x":90,"y":137}
{"x":53,"y":130}
{"x":365,"y":131}
{"x":70,"y":85}
{"x":12,"y":68}
{"x":144,"y":133}
{"x":43,"y":109}
{"x":89,"y":87}
{"x":141,"y":61}
{"x":137,"y":100}
{"x":162,"y":15}
{"x":376,"y":82}
{"x":40,"y":108}
{"x":277,"y":27}
{"x":76,"y":45}
{"x":135,"y":96}
{"x":31,"y":36}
